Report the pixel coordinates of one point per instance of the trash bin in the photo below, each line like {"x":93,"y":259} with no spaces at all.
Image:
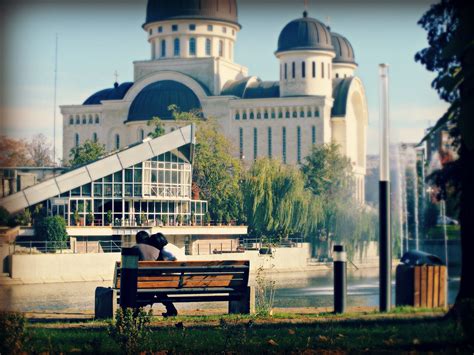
{"x":421,"y":280}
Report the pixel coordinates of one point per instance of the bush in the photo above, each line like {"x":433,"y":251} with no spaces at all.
{"x":131,"y":329}
{"x":23,"y":218}
{"x":52,"y":229}
{"x":12,"y":332}
{"x":4,"y":217}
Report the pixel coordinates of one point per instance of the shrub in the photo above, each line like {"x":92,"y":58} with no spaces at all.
{"x":131,"y":329}
{"x":4,"y":216}
{"x":23,"y":218}
{"x":207,"y":218}
{"x":12,"y":332}
{"x":52,"y":229}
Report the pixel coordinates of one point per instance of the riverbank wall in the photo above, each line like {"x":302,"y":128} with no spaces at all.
{"x":69,"y":267}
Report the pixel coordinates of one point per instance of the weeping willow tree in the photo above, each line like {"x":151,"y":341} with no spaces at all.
{"x":329,"y":176}
{"x":276,"y":203}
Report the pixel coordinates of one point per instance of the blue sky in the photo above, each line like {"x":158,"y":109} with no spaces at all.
{"x":98,"y":37}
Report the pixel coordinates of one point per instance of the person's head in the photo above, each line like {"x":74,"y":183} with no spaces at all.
{"x":158,"y":240}
{"x":142,"y":237}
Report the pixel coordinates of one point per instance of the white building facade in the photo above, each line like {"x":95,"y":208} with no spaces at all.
{"x":318,"y":98}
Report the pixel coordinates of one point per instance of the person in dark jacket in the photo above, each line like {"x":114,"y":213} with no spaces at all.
{"x":159,"y":241}
{"x":146,"y":251}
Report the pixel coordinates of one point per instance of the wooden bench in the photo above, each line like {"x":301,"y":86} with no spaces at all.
{"x":193,"y":281}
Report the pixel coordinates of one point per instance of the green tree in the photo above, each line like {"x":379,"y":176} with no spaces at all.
{"x":328,"y":174}
{"x":327,"y":171}
{"x":275,"y":201}
{"x":85,"y":153}
{"x":159,"y":128}
{"x":215,"y":170}
{"x":451,"y":55}
{"x":52,"y":229}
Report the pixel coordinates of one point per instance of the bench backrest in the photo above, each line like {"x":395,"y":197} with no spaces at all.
{"x":232,"y":274}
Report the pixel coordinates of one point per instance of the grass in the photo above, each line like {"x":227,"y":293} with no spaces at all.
{"x":400,"y":330}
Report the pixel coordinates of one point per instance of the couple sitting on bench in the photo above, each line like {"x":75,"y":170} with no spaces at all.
{"x":153,"y":248}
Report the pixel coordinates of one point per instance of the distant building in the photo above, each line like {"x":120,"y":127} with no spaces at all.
{"x":14,"y":179}
{"x":318,"y":98}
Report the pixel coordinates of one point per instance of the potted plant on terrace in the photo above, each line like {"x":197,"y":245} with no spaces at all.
{"x":227,"y":219}
{"x":207,"y":219}
{"x":77,"y":220}
{"x":109,"y":217}
{"x":219,"y":218}
{"x":179,"y":220}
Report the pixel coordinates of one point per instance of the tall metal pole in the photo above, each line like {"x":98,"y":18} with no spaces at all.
{"x":385,"y":243}
{"x":55,"y":96}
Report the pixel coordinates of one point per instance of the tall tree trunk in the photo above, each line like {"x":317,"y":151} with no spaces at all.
{"x":466,"y":289}
{"x":464,"y":306}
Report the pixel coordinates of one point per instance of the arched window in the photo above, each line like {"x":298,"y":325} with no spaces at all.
{"x":241,"y":142}
{"x":259,"y":115}
{"x":78,"y":120}
{"x":221,"y":48}
{"x":237,"y":116}
{"x":303,"y":69}
{"x":313,"y":134}
{"x":298,"y":144}
{"x":176,"y":47}
{"x":309,"y":113}
{"x":97,"y":119}
{"x":287,"y":114}
{"x":192,"y":46}
{"x":94,"y":137}
{"x":337,"y":75}
{"x":163,"y":47}
{"x":265,"y":114}
{"x":90,"y":119}
{"x":322,"y":70}
{"x":314,"y":69}
{"x":153,"y":50}
{"x":255,"y":143}
{"x":117,"y":141}
{"x":71,"y":120}
{"x":293,"y":70}
{"x":252,"y":116}
{"x":84,"y":120}
{"x":208,"y":46}
{"x":141,"y":134}
{"x":76,"y":139}
{"x":286,"y":71}
{"x":244,"y":115}
{"x":295,"y":114}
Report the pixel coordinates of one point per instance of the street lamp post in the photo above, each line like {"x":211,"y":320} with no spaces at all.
{"x":385,"y":244}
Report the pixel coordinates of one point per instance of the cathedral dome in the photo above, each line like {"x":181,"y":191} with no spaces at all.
{"x":116,"y":93}
{"x":343,"y":49}
{"x":218,"y":10}
{"x":305,"y":33}
{"x":154,"y":100}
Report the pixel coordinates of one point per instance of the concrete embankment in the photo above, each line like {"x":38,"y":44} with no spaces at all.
{"x":48,"y":268}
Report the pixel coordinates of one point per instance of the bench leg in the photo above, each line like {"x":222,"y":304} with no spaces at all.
{"x":246,"y":304}
{"x":105,"y":303}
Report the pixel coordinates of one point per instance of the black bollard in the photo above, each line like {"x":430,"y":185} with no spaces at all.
{"x":340,"y":278}
{"x":129,"y":278}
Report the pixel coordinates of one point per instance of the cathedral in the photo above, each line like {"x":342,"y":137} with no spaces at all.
{"x":318,"y":98}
